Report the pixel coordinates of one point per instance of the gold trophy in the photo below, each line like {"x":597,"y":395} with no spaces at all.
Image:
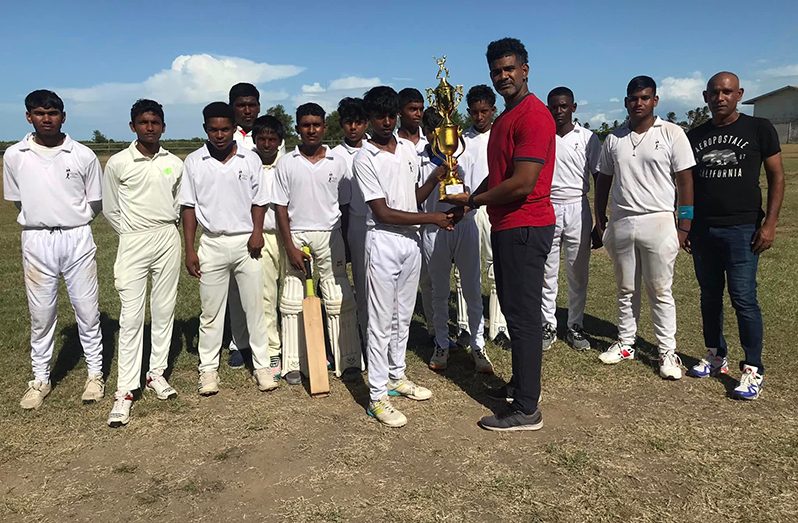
{"x":448,"y":137}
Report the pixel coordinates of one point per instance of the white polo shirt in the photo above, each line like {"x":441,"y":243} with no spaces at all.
{"x":140,"y":193}
{"x":643,"y":176}
{"x":313,"y":192}
{"x":393,"y":177}
{"x":357,"y":206}
{"x":269,"y":221}
{"x":54,"y":189}
{"x":222,"y":194}
{"x":578,"y":155}
{"x":475,"y":158}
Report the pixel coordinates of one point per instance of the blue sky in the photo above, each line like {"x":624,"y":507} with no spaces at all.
{"x":101,"y":56}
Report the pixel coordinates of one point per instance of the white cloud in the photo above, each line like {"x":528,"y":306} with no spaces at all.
{"x":683,"y":91}
{"x":598,"y":119}
{"x":328,"y":97}
{"x":615,"y":100}
{"x":192,"y":79}
{"x":784,"y":71}
{"x":583,"y":103}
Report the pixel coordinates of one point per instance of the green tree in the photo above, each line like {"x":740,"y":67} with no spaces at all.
{"x":697,"y":116}
{"x":279,"y":112}
{"x":98,"y":137}
{"x":671,"y":117}
{"x":334,"y":134}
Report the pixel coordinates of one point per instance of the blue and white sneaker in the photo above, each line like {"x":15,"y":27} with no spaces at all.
{"x":710,"y":365}
{"x":751,"y":383}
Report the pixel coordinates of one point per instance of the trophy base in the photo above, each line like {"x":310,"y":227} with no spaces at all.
{"x":449,"y":190}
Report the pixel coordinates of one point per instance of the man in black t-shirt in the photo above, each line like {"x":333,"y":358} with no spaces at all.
{"x":729,"y":229}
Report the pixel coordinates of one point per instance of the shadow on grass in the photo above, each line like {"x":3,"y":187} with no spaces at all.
{"x":72,"y":350}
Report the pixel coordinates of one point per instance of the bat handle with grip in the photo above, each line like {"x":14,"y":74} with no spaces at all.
{"x":309,"y":287}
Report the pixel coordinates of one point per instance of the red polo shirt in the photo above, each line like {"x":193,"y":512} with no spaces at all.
{"x":527,"y":133}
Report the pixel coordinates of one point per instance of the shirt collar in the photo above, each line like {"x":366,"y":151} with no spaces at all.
{"x":327,"y":152}
{"x":138,"y":156}
{"x":207,"y":155}
{"x":66,"y":146}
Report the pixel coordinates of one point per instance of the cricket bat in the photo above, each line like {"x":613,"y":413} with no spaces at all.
{"x":314,"y":336}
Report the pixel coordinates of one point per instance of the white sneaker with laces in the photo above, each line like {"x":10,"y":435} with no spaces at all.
{"x":670,"y":366}
{"x":384,"y":412}
{"x":408,"y":389}
{"x":33,"y":397}
{"x":120,"y":412}
{"x":265,"y":379}
{"x":616,"y":353}
{"x":710,"y":365}
{"x":751,"y":384}
{"x":208,"y":383}
{"x":161,"y":387}
{"x":482,"y":363}
{"x":94,"y":388}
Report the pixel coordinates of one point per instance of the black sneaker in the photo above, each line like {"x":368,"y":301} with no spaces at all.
{"x":502,"y":341}
{"x":293,"y":378}
{"x":235,"y":360}
{"x":511,"y":419}
{"x":351,"y":374}
{"x":463,"y":339}
{"x":504,"y":393}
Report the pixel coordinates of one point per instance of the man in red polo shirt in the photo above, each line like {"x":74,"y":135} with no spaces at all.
{"x":520,"y":163}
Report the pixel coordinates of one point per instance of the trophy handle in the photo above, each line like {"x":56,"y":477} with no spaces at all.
{"x":462,"y":142}
{"x":435,"y":150}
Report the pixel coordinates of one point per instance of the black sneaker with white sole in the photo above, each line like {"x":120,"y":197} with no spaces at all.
{"x":512,"y":420}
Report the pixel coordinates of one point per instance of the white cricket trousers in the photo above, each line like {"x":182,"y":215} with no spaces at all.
{"x":47,"y":254}
{"x":644,"y":245}
{"x":221,"y":256}
{"x":572,"y":237}
{"x":393,"y":263}
{"x":356,"y":238}
{"x":156,"y":253}
{"x":271,"y":262}
{"x":440,"y":247}
{"x":497,"y":322}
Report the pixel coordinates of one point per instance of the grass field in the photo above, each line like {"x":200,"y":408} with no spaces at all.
{"x":620,"y":444}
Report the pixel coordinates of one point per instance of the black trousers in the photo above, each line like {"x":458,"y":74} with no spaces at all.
{"x":519,"y":259}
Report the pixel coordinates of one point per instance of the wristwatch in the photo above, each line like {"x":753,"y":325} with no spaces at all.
{"x":471,"y":202}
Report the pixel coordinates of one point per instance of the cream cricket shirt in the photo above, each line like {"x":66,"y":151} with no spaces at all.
{"x":222,"y":194}
{"x":140,"y":193}
{"x":393,"y":177}
{"x":357,"y":206}
{"x":269,"y":220}
{"x":643,"y":166}
{"x":54,"y":189}
{"x":312,"y":192}
{"x":578,"y":155}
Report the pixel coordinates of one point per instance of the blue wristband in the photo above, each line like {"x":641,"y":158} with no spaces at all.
{"x":685,"y":212}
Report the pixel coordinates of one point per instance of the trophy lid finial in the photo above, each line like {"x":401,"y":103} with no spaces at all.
{"x":443,"y":72}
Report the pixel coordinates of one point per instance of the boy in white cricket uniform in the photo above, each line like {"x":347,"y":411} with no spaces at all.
{"x":640,"y":161}
{"x":223,"y":191}
{"x":310,"y":189}
{"x":387,"y":169}
{"x":354,"y":122}
{"x":55,"y":182}
{"x":439,"y":249}
{"x":578,"y":151}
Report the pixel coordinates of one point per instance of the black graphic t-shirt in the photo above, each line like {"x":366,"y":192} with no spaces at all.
{"x":726,"y":175}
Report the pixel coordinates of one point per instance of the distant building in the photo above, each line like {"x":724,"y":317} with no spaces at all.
{"x":781,"y":108}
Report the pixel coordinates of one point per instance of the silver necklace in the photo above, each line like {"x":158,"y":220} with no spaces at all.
{"x":635,"y":145}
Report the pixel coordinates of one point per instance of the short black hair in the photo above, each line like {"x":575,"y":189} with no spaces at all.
{"x":638,"y":83}
{"x":381,"y":100}
{"x":143,"y":105}
{"x":44,"y":99}
{"x":243,"y":89}
{"x":431,"y":119}
{"x":218,"y":110}
{"x":481,"y":93}
{"x":268,"y":122}
{"x":309,"y":109}
{"x":507,"y":47}
{"x":409,"y":94}
{"x":351,"y":110}
{"x":561,"y":91}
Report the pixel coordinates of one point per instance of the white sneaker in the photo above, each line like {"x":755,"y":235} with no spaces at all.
{"x":670,"y":366}
{"x":161,"y":387}
{"x":751,"y":384}
{"x":265,"y":379}
{"x":616,"y":353}
{"x":208,"y":383}
{"x":408,"y":389}
{"x":482,"y":363}
{"x":33,"y":397}
{"x":439,"y":359}
{"x":710,"y":365}
{"x":94,"y":389}
{"x":120,"y":412}
{"x":549,"y":336}
{"x":384,"y":412}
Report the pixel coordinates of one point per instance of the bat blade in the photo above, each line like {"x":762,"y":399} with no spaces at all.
{"x":316,"y":351}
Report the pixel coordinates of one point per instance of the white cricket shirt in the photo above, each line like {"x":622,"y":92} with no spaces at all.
{"x":391,"y":176}
{"x":475,"y":158}
{"x":578,"y":155}
{"x":357,"y":206}
{"x":54,"y":189}
{"x":269,"y":220}
{"x":139,"y":192}
{"x":222,"y":194}
{"x":643,"y":166}
{"x":313,"y":192}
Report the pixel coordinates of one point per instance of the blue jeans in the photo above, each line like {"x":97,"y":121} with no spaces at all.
{"x":720,"y":255}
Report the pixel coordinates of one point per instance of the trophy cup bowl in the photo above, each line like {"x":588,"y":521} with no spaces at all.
{"x":447,"y":138}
